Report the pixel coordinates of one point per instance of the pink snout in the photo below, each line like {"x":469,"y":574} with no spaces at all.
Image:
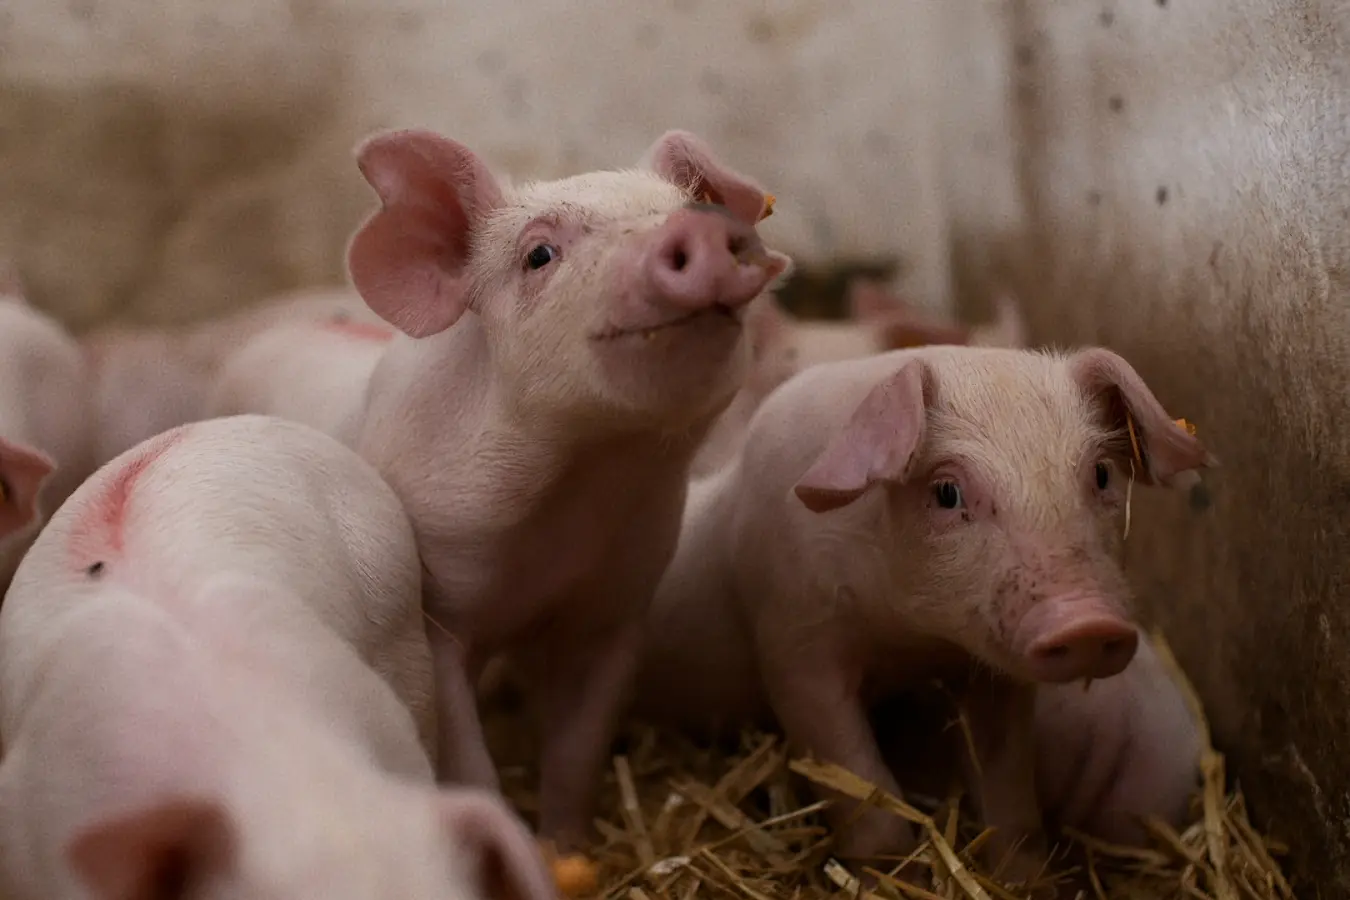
{"x":703,"y":258}
{"x":1071,"y":641}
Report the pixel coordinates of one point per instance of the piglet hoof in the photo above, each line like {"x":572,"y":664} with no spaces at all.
{"x":875,"y":834}
{"x":1028,"y":866}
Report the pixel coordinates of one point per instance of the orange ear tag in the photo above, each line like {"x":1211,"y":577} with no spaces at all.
{"x":768,"y":207}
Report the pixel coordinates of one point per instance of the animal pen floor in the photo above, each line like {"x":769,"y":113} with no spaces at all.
{"x":683,"y":822}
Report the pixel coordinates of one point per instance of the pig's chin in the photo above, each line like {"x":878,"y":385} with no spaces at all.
{"x":711,"y":319}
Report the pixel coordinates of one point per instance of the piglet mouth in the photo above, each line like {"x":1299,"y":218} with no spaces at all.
{"x":717,"y":311}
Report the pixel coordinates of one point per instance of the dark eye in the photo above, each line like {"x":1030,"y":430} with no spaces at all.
{"x":541,"y":256}
{"x":1103,"y":476}
{"x":948,"y":494}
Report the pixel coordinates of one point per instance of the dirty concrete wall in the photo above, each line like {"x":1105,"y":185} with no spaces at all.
{"x":159,"y":163}
{"x":1182,"y":172}
{"x":1168,"y":177}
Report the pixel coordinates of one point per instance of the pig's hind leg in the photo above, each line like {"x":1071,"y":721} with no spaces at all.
{"x":1139,"y":749}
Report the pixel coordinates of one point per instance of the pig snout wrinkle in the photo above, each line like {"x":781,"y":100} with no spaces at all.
{"x":703,"y":260}
{"x":1068,"y":644}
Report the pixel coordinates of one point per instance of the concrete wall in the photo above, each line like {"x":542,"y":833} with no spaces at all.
{"x":1168,"y":177}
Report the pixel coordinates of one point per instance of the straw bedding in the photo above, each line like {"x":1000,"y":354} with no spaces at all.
{"x":681,"y":821}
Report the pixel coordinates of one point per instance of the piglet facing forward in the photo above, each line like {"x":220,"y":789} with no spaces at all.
{"x":893,"y":519}
{"x":45,"y":440}
{"x":207,"y":667}
{"x":577,"y":337}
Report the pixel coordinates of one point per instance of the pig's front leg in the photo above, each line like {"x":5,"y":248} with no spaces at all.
{"x":581,"y":688}
{"x":823,"y":714}
{"x":463,"y":756}
{"x":1002,"y":723}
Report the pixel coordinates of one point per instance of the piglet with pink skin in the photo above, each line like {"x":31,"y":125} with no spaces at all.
{"x":215,"y":682}
{"x":568,"y":345}
{"x":939,"y":512}
{"x":45,"y":441}
{"x":150,"y":379}
{"x":313,"y":372}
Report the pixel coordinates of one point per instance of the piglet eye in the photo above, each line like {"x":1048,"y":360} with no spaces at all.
{"x":947,"y":494}
{"x":541,"y":255}
{"x":1103,"y":476}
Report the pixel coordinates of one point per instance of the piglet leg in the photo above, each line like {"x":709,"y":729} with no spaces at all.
{"x":581,"y":688}
{"x":1003,"y":781}
{"x":824,"y":716}
{"x":463,"y":753}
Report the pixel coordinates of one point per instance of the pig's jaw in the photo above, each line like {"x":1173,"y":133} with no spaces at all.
{"x":718,"y":312}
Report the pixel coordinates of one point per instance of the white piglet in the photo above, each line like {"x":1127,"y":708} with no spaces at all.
{"x":215,"y":683}
{"x":569,"y":343}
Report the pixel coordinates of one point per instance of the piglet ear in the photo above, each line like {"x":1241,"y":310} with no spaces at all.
{"x":23,"y":471}
{"x":1170,"y":454}
{"x":507,"y":863}
{"x":156,"y":853}
{"x":684,"y":159}
{"x":879,"y":444}
{"x":410,"y":259}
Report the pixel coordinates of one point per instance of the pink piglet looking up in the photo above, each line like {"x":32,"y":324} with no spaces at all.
{"x":568,"y":344}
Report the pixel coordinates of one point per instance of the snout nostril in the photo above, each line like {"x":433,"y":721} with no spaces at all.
{"x":736,"y":245}
{"x":678,"y":259}
{"x":1057,"y":651}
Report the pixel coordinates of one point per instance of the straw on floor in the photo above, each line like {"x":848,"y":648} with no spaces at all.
{"x":681,"y":822}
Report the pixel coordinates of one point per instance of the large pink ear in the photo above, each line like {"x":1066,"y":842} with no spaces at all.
{"x":23,"y":471}
{"x":684,"y":159}
{"x":157,"y":853}
{"x":508,"y":861}
{"x":1170,"y":453}
{"x":879,"y":444}
{"x":410,"y":259}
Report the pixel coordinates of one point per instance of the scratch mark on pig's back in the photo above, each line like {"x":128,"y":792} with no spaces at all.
{"x":99,"y":532}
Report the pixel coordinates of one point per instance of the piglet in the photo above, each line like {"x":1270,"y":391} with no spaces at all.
{"x":313,"y":372}
{"x":948,"y":512}
{"x":783,"y":345}
{"x":45,"y":442}
{"x":150,"y":379}
{"x":214,"y":678}
{"x":568,"y":343}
